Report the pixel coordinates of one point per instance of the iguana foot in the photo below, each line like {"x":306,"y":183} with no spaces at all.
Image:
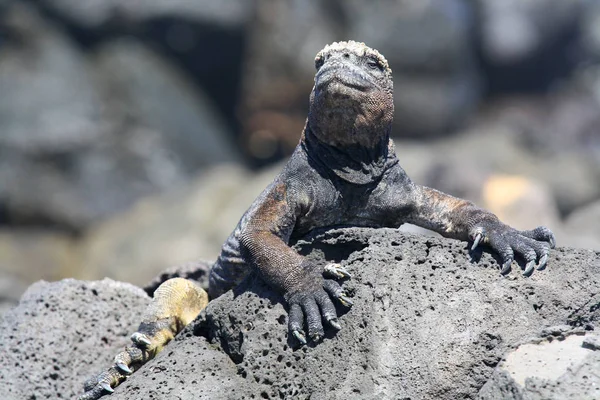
{"x":175,"y":304}
{"x":315,"y":304}
{"x":533,"y":246}
{"x":150,"y":338}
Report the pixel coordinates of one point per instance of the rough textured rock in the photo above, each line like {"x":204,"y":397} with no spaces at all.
{"x":415,"y":299}
{"x":558,"y":368}
{"x":62,"y":332}
{"x":427,"y":323}
{"x":209,"y":374}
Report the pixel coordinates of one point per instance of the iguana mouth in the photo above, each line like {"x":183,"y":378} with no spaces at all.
{"x":349,"y":78}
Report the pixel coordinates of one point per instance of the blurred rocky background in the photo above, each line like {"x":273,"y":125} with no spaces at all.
{"x":134,"y":133}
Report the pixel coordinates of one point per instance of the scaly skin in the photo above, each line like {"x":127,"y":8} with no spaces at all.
{"x":343,"y":172}
{"x":175,"y":304}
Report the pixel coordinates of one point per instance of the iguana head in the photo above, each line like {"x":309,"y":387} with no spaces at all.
{"x":352,"y":100}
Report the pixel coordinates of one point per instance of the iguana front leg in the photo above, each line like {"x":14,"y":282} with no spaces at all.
{"x":264,"y":242}
{"x":175,"y":304}
{"x":461,"y":219}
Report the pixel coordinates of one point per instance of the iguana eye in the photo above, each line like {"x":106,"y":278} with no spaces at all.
{"x":374,"y":64}
{"x":319,"y":62}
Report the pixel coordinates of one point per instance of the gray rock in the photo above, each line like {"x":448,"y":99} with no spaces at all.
{"x":145,"y":92}
{"x":93,"y":14}
{"x":427,"y":323}
{"x":51,"y":119}
{"x":592,"y":342}
{"x":62,"y":332}
{"x":49,"y":104}
{"x":429,"y":36}
{"x":82,"y":137}
{"x":513,"y":30}
{"x":551,"y":370}
{"x":589,"y":27}
{"x":209,"y":374}
{"x":49,"y":110}
{"x":565,"y":119}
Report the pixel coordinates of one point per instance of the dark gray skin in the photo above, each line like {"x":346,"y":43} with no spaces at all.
{"x":345,"y":172}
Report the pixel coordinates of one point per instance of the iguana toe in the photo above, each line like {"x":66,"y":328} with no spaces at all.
{"x":335,"y":290}
{"x":102,"y":384}
{"x":314,"y":305}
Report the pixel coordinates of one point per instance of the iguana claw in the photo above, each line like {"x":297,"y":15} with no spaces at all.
{"x":543,"y":262}
{"x":345,"y":300}
{"x":337,"y":271}
{"x":316,"y":338}
{"x":529,"y":268}
{"x":106,"y":387}
{"x":140,"y":338}
{"x":476,"y":240}
{"x":335,"y":324}
{"x":123,"y":367}
{"x":505,"y":267}
{"x":299,"y":336}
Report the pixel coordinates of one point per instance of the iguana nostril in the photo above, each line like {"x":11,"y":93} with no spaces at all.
{"x":346,"y":55}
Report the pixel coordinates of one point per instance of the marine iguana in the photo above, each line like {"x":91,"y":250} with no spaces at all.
{"x":344,"y":172}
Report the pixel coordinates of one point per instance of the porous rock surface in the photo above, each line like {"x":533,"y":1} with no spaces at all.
{"x":430,"y":321}
{"x":62,"y":332}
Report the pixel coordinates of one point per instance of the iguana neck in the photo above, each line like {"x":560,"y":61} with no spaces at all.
{"x":356,"y":164}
